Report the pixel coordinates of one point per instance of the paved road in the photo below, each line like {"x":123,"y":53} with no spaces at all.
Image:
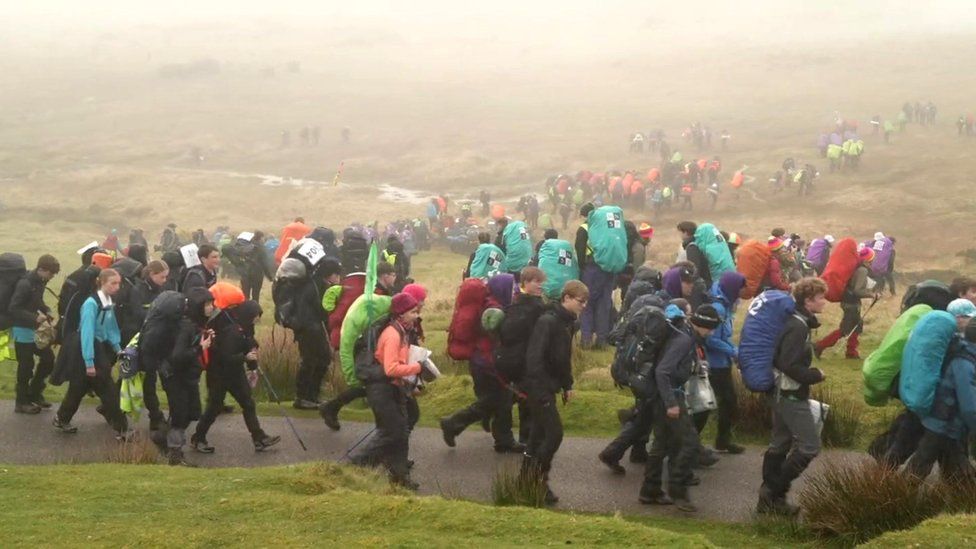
{"x":727,"y":492}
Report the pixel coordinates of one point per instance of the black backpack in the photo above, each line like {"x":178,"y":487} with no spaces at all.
{"x":284,"y":294}
{"x":158,"y":333}
{"x":368,"y":370}
{"x":12,"y":268}
{"x":513,"y":335}
{"x":933,"y":293}
{"x":645,"y":335}
{"x":79,"y":286}
{"x":354,"y":253}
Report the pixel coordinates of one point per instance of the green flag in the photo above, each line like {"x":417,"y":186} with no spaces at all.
{"x":371,"y":270}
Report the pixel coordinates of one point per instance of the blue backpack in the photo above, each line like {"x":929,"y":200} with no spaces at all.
{"x":761,"y":331}
{"x":607,"y":238}
{"x":922,"y":360}
{"x":518,"y":247}
{"x":557,"y":259}
{"x":488,"y":260}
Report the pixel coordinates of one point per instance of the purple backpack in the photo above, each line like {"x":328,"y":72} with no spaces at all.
{"x":882,"y":254}
{"x":818,"y":253}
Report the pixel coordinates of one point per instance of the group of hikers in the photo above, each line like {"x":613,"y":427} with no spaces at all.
{"x":697,"y":134}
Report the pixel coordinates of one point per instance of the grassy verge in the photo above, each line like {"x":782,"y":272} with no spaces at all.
{"x":305,"y":505}
{"x":941,"y":531}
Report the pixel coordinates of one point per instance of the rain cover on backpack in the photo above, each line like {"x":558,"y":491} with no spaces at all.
{"x":753,"y":263}
{"x":557,"y":259}
{"x":487,"y":262}
{"x":607,"y":238}
{"x":761,"y":331}
{"x":715,"y":248}
{"x":465,"y":327}
{"x":840,"y":268}
{"x":883,"y":365}
{"x":921,"y":363}
{"x":882,"y":255}
{"x":518,"y":247}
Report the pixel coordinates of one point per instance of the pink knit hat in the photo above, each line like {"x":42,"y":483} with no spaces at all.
{"x":402,"y":303}
{"x":416,"y":291}
{"x":866,"y":254}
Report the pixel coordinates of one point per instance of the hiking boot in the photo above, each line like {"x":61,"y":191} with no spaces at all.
{"x":853,"y":355}
{"x":654,"y":497}
{"x":818,"y":351}
{"x":772,"y":505}
{"x":125,"y":436}
{"x":706,"y":458}
{"x":201,"y":445}
{"x":513,"y":448}
{"x":266,"y":442}
{"x":550,"y":498}
{"x":176,"y":458}
{"x":64,"y":426}
{"x":158,"y":437}
{"x":613,"y":464}
{"x":730,"y":448}
{"x":405,"y":482}
{"x":330,"y":415}
{"x":638,"y":454}
{"x":43,"y":403}
{"x":227,"y":409}
{"x":29,"y":408}
{"x":683,"y":504}
{"x":449,"y":435}
{"x":302,"y":404}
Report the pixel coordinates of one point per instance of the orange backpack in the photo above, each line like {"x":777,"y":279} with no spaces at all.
{"x":753,"y":262}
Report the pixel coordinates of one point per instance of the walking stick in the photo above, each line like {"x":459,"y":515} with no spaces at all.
{"x":354,"y":446}
{"x":861,"y":322}
{"x":271,"y":391}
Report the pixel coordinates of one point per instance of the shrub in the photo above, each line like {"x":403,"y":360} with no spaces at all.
{"x":138,"y":450}
{"x":513,"y":487}
{"x":279,"y":359}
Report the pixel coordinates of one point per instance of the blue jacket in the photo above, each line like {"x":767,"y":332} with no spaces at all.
{"x":97,"y":324}
{"x":954,"y":409}
{"x":718,"y":347}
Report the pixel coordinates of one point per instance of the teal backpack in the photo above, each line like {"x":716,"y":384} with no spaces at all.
{"x":557,"y":259}
{"x":518,"y":247}
{"x":922,"y":360}
{"x":488,"y":261}
{"x":715,"y":248}
{"x":607,"y":238}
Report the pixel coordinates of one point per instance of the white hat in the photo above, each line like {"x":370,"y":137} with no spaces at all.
{"x":92,"y":245}
{"x":879,"y":235}
{"x":829,"y":239}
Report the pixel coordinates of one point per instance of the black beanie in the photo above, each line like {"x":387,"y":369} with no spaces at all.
{"x":706,"y":317}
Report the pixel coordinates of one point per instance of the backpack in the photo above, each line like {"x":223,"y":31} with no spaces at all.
{"x":645,"y":335}
{"x":368,"y":369}
{"x":922,"y":361}
{"x":753,"y":263}
{"x":818,"y":253}
{"x":487,"y":262}
{"x":158,"y":332}
{"x":309,"y":251}
{"x":557,"y":258}
{"x":882,"y":366}
{"x":840,"y":268}
{"x":607,"y":238}
{"x":79,"y":286}
{"x":513,"y":337}
{"x":284,"y":295}
{"x":465,"y":327}
{"x":761,"y":331}
{"x":518,"y":247}
{"x":715,"y":249}
{"x":882,"y":255}
{"x":353,"y":253}
{"x":12,"y":268}
{"x":933,"y":293}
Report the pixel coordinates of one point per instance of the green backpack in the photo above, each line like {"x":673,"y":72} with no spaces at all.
{"x":557,"y":259}
{"x":715,"y":248}
{"x":518,"y":247}
{"x":488,"y":260}
{"x":607,"y":238}
{"x":882,"y":367}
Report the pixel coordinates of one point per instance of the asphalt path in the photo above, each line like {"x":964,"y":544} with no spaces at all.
{"x":727,"y":492}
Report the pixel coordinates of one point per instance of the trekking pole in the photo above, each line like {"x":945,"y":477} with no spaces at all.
{"x":354,"y":446}
{"x":271,"y":391}
{"x":861,"y":322}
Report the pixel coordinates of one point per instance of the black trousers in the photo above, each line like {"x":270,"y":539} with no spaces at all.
{"x":724,"y":386}
{"x":313,"y":346}
{"x":104,"y":387}
{"x":899,"y":442}
{"x":634,"y":432}
{"x":494,"y":402}
{"x":220,"y":381}
{"x":950,"y":454}
{"x":677,"y":440}
{"x":546,"y":432}
{"x":183,"y":394}
{"x":251,"y":286}
{"x":30,"y":381}
{"x":390,"y":443}
{"x":349,"y":395}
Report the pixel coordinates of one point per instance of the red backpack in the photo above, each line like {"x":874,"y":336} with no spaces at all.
{"x":465,"y":329}
{"x":840,"y":268}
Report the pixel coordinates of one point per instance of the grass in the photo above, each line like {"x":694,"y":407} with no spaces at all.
{"x":305,"y":505}
{"x":940,"y":531}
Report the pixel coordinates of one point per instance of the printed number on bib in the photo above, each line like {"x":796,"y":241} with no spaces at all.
{"x":311,"y":250}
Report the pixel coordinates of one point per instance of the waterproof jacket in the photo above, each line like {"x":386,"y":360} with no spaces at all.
{"x":675,"y":366}
{"x":719,"y":348}
{"x":773,"y":278}
{"x":515,"y":332}
{"x":27,"y":300}
{"x":857,"y":287}
{"x":234,"y":337}
{"x":186,"y":359}
{"x":393,"y":351}
{"x":794,"y":354}
{"x":954,"y":409}
{"x":140,"y":298}
{"x":548,"y":357}
{"x":197,"y":277}
{"x":98,"y":325}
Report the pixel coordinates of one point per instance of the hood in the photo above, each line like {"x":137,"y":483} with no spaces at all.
{"x":247,"y":313}
{"x":501,"y":287}
{"x":291,"y":268}
{"x":139,"y":253}
{"x":197,"y":298}
{"x":730,"y":284}
{"x":671,"y":281}
{"x":174,"y":260}
{"x":636,"y":290}
{"x":648,"y":274}
{"x":394,"y":247}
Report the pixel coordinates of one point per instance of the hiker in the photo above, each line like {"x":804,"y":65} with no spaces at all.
{"x":691,"y":252}
{"x":494,"y":401}
{"x":595,"y":321}
{"x":682,"y":282}
{"x":720,"y":352}
{"x":818,"y":253}
{"x":485,"y":198}
{"x":395,"y":255}
{"x":169,"y":241}
{"x":204,"y":275}
{"x":88,"y":357}
{"x":302,"y":311}
{"x":137,"y":236}
{"x":180,"y":373}
{"x":146,"y":290}
{"x":885,"y":276}
{"x":387,"y":394}
{"x":675,"y":435}
{"x":549,"y":370}
{"x":964,"y":287}
{"x":28,"y":313}
{"x":953,"y":417}
{"x":851,"y":324}
{"x":256,"y":265}
{"x":774,"y":277}
{"x":233,"y":348}
{"x":795,"y":440}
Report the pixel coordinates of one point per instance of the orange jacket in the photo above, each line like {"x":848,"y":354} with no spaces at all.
{"x":292,"y":232}
{"x":392,"y":350}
